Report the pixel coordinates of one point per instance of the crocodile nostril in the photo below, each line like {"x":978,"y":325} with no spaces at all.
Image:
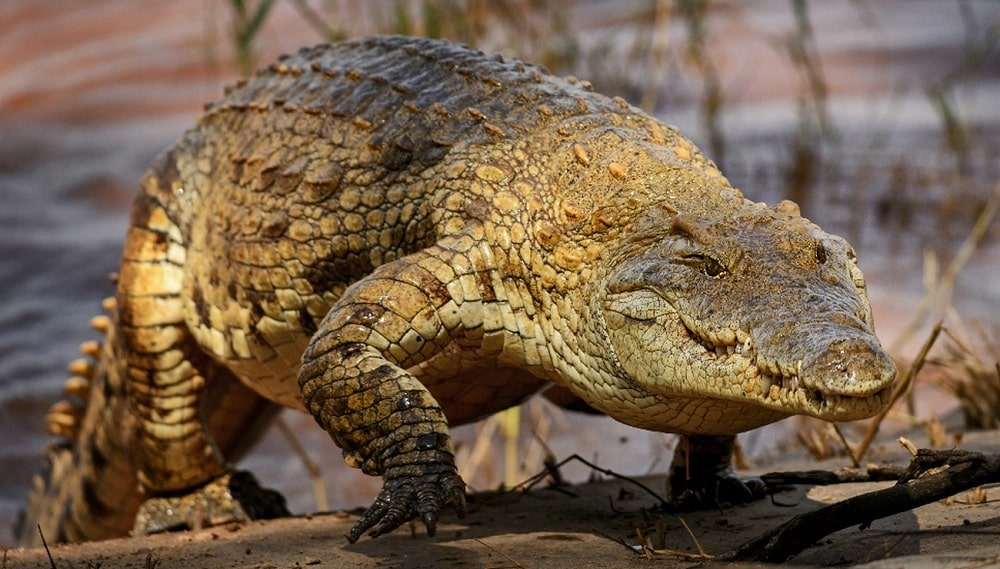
{"x":820,"y":253}
{"x":854,"y":367}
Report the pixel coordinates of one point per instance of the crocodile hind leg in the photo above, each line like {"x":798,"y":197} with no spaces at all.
{"x":169,"y":382}
{"x":237,"y":419}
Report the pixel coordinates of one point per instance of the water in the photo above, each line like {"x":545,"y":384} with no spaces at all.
{"x":89,"y":94}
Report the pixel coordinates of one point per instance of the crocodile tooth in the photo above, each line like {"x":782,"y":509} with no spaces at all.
{"x":720,"y":351}
{"x":765,"y":382}
{"x":742,"y":337}
{"x":793,"y":383}
{"x":730,"y":349}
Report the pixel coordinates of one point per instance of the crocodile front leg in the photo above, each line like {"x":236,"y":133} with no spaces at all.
{"x":388,"y":424}
{"x":701,"y":475}
{"x":355,"y":382}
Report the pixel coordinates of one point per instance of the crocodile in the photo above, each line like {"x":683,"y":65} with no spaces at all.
{"x":397,"y":235}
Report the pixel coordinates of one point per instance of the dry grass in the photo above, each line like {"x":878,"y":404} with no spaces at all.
{"x":970,"y":371}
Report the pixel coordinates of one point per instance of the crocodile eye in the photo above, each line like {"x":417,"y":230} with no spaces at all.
{"x":707,"y":265}
{"x":712,"y":268}
{"x":820,"y":253}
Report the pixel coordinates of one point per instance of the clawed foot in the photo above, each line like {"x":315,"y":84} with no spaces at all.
{"x":405,"y":498}
{"x":233,"y":497}
{"x":701,"y":476}
{"x":724,"y":487}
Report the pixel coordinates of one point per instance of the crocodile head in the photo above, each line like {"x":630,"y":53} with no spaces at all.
{"x":728,"y":317}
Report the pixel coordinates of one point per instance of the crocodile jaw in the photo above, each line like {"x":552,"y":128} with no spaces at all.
{"x":681,"y":381}
{"x":844,"y":375}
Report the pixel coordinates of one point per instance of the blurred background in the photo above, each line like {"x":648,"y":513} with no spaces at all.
{"x":881,"y":118}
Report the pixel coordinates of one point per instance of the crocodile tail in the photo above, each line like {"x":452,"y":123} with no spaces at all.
{"x":87,"y":489}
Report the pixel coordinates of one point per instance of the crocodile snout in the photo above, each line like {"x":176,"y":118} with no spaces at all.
{"x":852,"y":367}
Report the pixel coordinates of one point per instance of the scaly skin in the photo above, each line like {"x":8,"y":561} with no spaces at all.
{"x":397,"y":234}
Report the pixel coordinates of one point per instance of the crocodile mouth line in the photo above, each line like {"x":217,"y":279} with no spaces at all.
{"x":770,"y":385}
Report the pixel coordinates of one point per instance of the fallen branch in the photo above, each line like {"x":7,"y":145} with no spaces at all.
{"x":870,"y":473}
{"x":961,"y":470}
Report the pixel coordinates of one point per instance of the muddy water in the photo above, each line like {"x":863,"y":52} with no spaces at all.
{"x":91,"y":91}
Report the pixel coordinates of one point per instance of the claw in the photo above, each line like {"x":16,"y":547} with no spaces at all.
{"x":430,"y":522}
{"x":724,"y":488}
{"x":403,"y":499}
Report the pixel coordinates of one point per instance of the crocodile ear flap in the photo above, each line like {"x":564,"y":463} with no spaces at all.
{"x":651,"y":267}
{"x":689,"y":227}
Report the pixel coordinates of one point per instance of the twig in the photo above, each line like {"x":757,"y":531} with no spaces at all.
{"x":316,"y":22}
{"x":855,"y":461}
{"x":497,"y":551}
{"x":315,"y":473}
{"x":645,"y":544}
{"x":481,"y":449}
{"x":908,"y":445}
{"x":940,"y":293}
{"x":549,"y":462}
{"x":632,"y":548}
{"x":697,"y":544}
{"x":530,"y":482}
{"x":45,"y":544}
{"x":661,"y":533}
{"x":646,"y":549}
{"x":898,"y":391}
{"x":965,"y":470}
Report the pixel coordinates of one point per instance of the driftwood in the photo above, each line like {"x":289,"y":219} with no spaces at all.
{"x":931,"y":476}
